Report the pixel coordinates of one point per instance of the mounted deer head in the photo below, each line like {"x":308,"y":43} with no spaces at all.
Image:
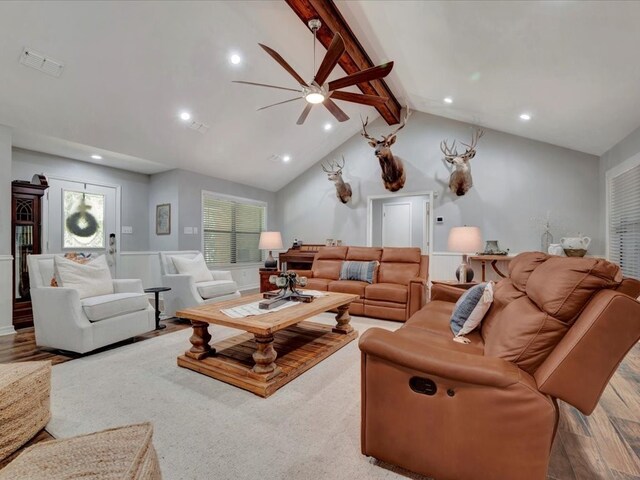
{"x":460,"y":181}
{"x":393,"y":174}
{"x":334,"y":173}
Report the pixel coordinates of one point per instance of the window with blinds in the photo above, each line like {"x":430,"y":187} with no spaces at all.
{"x":624,"y":221}
{"x":231,"y":229}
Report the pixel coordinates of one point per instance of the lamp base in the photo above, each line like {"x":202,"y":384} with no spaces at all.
{"x":464,"y":273}
{"x":270,"y":263}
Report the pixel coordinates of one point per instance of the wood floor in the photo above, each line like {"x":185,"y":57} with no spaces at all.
{"x":603,"y":446}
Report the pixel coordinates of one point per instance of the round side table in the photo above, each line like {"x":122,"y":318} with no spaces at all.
{"x":156,"y":291}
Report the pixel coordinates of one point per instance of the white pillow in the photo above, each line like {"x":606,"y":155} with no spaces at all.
{"x":91,"y":279}
{"x":196,"y":267}
{"x":470,"y":310}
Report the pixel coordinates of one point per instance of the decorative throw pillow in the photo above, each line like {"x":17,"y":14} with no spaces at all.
{"x":81,"y":258}
{"x":363,"y":271}
{"x":196,"y":267}
{"x":470,"y":309}
{"x":91,"y":279}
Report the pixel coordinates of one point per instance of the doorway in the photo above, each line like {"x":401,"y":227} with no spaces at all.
{"x":80,"y":216}
{"x":400,"y":220}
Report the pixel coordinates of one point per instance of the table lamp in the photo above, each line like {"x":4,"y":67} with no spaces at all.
{"x":270,"y":241}
{"x":464,"y":240}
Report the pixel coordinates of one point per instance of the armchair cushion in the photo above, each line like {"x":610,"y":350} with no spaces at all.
{"x":113,"y":305}
{"x":196,"y":267}
{"x":388,"y":292}
{"x":321,"y":284}
{"x":90,"y":280}
{"x":216,"y":288}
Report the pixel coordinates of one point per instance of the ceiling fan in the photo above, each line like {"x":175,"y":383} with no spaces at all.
{"x":316,"y":91}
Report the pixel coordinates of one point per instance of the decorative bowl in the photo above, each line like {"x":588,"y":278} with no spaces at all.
{"x":575,"y":252}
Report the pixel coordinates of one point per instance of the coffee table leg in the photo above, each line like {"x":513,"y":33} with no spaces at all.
{"x":342,"y":319}
{"x":265,"y":356}
{"x":200,"y":341}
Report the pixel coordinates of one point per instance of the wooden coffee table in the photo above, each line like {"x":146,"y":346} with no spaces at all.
{"x":278,"y":346}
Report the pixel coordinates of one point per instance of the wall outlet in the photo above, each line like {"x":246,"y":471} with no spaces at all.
{"x":188,"y":230}
{"x":439,"y":219}
{"x":127,"y":230}
{"x":195,"y":230}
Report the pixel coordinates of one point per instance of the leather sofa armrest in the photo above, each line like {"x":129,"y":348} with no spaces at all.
{"x":417,"y":295}
{"x":302,"y":273}
{"x":419,"y":354}
{"x":446,"y":293}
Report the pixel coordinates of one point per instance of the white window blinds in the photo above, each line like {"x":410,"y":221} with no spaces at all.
{"x":624,"y":221}
{"x":231,"y":230}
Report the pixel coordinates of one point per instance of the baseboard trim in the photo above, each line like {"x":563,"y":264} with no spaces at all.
{"x":7,"y":330}
{"x":6,"y":258}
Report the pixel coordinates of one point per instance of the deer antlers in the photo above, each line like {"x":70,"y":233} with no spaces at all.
{"x":334,"y":167}
{"x":365,"y":122}
{"x":451,"y":152}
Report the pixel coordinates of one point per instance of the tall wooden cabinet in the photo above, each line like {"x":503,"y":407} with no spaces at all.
{"x":26,"y":230}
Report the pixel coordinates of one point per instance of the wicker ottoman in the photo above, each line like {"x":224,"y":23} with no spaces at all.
{"x":24,"y":403}
{"x":124,"y":453}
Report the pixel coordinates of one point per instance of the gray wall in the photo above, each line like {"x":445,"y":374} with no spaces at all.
{"x":418,"y":218}
{"x":183,"y":189}
{"x":134,"y":188}
{"x":5,"y":190}
{"x":515,"y":179}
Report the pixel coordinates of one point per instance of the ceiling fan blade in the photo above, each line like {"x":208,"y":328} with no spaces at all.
{"x":280,"y":103}
{"x":372,"y":100}
{"x":335,"y":110}
{"x":305,"y":113}
{"x":334,"y":52}
{"x":265,"y":85}
{"x":276,"y":56}
{"x":367,"y":75}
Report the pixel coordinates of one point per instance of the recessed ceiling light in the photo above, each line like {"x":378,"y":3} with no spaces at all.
{"x":328,"y":126}
{"x":448,"y":100}
{"x":286,"y":158}
{"x":525,"y":116}
{"x":235,"y":59}
{"x":96,"y":157}
{"x":186,"y":116}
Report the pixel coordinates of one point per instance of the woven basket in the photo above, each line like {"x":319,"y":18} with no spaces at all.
{"x":124,"y":453}
{"x":575,"y":252}
{"x":24,"y":403}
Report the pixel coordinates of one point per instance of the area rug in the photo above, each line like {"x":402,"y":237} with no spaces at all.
{"x":206,"y":429}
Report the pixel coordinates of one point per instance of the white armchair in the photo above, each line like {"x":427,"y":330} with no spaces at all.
{"x":63,"y":321}
{"x":186,"y":292}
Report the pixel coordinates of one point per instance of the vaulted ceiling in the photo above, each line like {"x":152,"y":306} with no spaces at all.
{"x":131,"y":67}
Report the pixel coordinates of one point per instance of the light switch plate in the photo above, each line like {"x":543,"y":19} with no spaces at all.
{"x":195,"y":230}
{"x":128,"y":230}
{"x":188,"y":230}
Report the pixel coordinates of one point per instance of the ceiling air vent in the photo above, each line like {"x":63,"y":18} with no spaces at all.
{"x":37,"y":60}
{"x":199,"y":127}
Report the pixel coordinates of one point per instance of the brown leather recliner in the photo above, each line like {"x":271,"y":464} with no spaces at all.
{"x":398,"y":291}
{"x":558,"y":328}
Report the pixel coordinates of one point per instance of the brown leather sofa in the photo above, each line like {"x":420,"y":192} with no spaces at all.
{"x":558,"y":329}
{"x":398,"y":291}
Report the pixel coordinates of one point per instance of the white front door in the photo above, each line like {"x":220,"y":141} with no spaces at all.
{"x":396,"y":225}
{"x":79,"y":217}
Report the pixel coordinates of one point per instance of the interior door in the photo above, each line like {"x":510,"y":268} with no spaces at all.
{"x":396,"y":225}
{"x":79,"y":217}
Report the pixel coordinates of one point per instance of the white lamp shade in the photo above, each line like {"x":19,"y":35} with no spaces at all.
{"x":465,"y":240}
{"x":270,"y":241}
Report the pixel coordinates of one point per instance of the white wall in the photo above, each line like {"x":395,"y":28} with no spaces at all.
{"x":6,"y":265}
{"x":134,"y":188}
{"x":515,"y":179}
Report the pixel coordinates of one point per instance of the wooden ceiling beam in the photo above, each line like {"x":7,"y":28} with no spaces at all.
{"x":355,"y":57}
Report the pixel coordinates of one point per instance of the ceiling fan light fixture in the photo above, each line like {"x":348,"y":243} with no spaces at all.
{"x":314,"y":97}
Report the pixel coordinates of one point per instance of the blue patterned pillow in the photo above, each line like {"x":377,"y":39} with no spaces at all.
{"x":471,"y":307}
{"x":363,"y":271}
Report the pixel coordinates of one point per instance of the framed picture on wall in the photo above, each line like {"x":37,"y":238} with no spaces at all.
{"x":163,"y":219}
